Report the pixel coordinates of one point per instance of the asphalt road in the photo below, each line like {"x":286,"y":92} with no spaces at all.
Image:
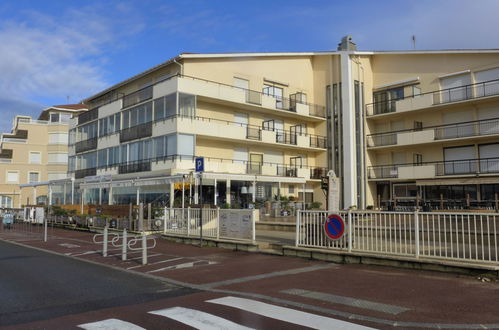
{"x":35,"y":285}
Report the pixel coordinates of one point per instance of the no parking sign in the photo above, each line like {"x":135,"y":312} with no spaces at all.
{"x":334,"y":227}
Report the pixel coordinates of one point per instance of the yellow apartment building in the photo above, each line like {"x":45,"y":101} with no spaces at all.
{"x":35,"y":151}
{"x":400,"y":129}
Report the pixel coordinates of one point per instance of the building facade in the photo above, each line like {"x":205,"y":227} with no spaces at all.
{"x":399,"y":129}
{"x":36,"y":150}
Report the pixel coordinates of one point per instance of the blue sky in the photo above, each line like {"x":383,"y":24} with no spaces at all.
{"x":55,"y":51}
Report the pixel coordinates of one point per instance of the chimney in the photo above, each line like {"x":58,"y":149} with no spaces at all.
{"x":347,"y":44}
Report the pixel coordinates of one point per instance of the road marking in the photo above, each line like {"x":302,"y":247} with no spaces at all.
{"x":155,"y":263}
{"x":83,"y":254}
{"x":263,"y":276}
{"x":184,"y":265}
{"x":364,"y":304}
{"x":285,"y":314}
{"x":69,"y":245}
{"x":110,"y":324}
{"x":198,"y":319}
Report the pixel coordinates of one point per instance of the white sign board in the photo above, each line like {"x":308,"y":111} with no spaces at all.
{"x":236,"y":223}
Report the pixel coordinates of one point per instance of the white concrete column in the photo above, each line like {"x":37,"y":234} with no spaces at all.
{"x":50,"y":194}
{"x":253,"y":195}
{"x":348,"y":123}
{"x":196,"y":191}
{"x":172,"y":194}
{"x":100,"y":196}
{"x":137,"y":200}
{"x":227,"y":191}
{"x":34,"y":195}
{"x":110,"y":193}
{"x":215,"y":192}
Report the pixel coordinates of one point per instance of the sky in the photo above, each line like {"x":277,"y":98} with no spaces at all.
{"x":59,"y":52}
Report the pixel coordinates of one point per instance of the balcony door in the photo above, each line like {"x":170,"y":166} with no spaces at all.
{"x":489,"y":158}
{"x":276,"y":92}
{"x":279,"y":128}
{"x":455,"y":88}
{"x":255,"y":165}
{"x":459,"y":160}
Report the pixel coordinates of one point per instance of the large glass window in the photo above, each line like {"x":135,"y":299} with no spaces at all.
{"x":185,"y":145}
{"x":6,"y":201}
{"x":34,"y":177}
{"x":87,"y":131}
{"x":88,"y":160}
{"x":187,"y":105}
{"x":137,"y":115}
{"x":384,"y":101}
{"x":171,"y":145}
{"x":102,"y":158}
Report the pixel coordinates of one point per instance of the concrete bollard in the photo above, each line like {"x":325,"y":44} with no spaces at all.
{"x":124,"y":246}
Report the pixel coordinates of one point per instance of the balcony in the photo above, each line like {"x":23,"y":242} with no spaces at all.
{"x":253,"y":133}
{"x":133,"y":167}
{"x":439,"y":97}
{"x":136,"y":132}
{"x":80,"y":174}
{"x":87,"y":116}
{"x":430,"y":170}
{"x":137,"y":97}
{"x":429,"y":134}
{"x":318,"y":172}
{"x":86,"y":145}
{"x":216,"y":90}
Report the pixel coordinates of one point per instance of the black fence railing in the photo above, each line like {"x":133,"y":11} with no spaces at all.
{"x":318,"y":142}
{"x":87,"y":116}
{"x":318,"y":172}
{"x":287,"y":171}
{"x":80,"y":174}
{"x":442,"y":168}
{"x":136,"y":132}
{"x":285,"y":137}
{"x":86,"y":145}
{"x":442,"y":96}
{"x":481,"y":127}
{"x":137,"y":97}
{"x":132,"y":167}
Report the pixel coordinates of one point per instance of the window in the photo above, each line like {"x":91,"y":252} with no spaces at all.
{"x":459,"y":160}
{"x":276,"y":92}
{"x":58,"y":158}
{"x":487,"y":81}
{"x":455,"y":88}
{"x":6,"y":201}
{"x":33,"y":177}
{"x":187,"y":105}
{"x":405,"y":190}
{"x":185,"y":145}
{"x":241,"y":83}
{"x":65,"y":117}
{"x":12,"y":176}
{"x":35,"y":157}
{"x":489,"y":158}
{"x":54,"y":117}
{"x":138,"y":115}
{"x":58,"y":138}
{"x":102,"y":158}
{"x":384,"y":101}
{"x":291,"y":189}
{"x":418,"y":125}
{"x":417,"y":159}
{"x":416,"y":91}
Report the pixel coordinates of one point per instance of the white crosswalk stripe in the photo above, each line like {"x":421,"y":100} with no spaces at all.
{"x":285,"y":314}
{"x":203,"y":320}
{"x":110,"y":324}
{"x":198,"y":319}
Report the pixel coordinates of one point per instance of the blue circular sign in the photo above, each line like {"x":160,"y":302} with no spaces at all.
{"x":334,"y":227}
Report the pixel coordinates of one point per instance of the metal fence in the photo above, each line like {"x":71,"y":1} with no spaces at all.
{"x":458,"y":236}
{"x":216,"y":223}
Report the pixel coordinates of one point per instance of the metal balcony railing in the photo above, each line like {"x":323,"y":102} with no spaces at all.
{"x":137,"y":166}
{"x":285,"y":137}
{"x":318,"y":141}
{"x":137,"y":97}
{"x":254,"y":168}
{"x":287,"y":171}
{"x":482,"y":127}
{"x":442,"y":96}
{"x":86,"y":145}
{"x":318,"y":172}
{"x":136,"y":132}
{"x":87,"y":116}
{"x":442,"y":168}
{"x":80,"y":174}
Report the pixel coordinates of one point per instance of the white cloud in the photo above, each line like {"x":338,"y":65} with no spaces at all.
{"x":45,"y":57}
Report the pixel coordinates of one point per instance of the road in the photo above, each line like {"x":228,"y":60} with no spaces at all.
{"x":185,"y":286}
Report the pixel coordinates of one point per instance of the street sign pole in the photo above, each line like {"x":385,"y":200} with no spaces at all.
{"x":199,"y":162}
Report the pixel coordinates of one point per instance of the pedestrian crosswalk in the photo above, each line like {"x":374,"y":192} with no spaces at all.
{"x":200,"y":319}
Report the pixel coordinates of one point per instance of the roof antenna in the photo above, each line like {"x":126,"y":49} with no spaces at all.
{"x":414,"y":42}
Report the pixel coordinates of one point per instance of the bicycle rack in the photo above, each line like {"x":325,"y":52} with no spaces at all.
{"x":143,"y":247}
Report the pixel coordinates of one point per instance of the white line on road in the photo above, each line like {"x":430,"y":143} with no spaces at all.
{"x":198,"y":319}
{"x":110,"y":324}
{"x":285,"y":314}
{"x":155,"y":263}
{"x":184,"y":265}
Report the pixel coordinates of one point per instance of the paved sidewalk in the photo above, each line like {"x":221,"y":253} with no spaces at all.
{"x":380,"y":296}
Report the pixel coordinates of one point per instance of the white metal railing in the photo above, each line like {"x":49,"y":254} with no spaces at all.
{"x":459,"y":236}
{"x":216,"y":223}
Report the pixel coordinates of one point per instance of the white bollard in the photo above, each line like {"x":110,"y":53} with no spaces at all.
{"x":104,"y":243}
{"x":144,"y":250}
{"x":123,"y":248}
{"x":45,"y":230}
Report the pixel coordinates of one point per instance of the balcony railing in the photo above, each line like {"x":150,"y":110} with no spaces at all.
{"x":287,"y":171}
{"x":442,"y":168}
{"x":80,"y":174}
{"x":132,"y":167}
{"x":254,"y":168}
{"x":442,"y":96}
{"x":136,"y":132}
{"x":137,"y":97}
{"x":85,"y":145}
{"x":482,"y":127}
{"x":318,"y":141}
{"x":87,"y":116}
{"x":253,"y":133}
{"x":318,"y":172}
{"x":285,"y":137}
